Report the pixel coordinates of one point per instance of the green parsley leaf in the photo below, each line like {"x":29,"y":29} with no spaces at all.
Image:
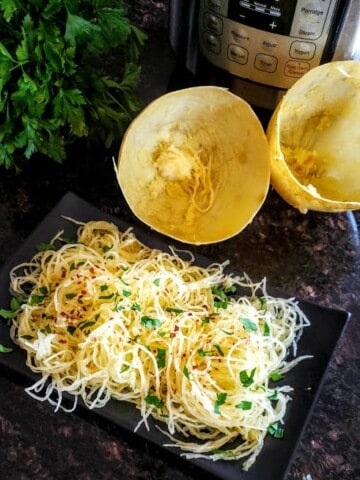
{"x":161,"y":357}
{"x":154,"y":401}
{"x":43,"y":247}
{"x":136,"y":307}
{"x":266,"y":330}
{"x":275,"y":376}
{"x":7,"y":314}
{"x":248,"y":325}
{"x":4,"y":349}
{"x":186,"y":373}
{"x":247,"y":379}
{"x":220,"y":400}
{"x":71,"y":329}
{"x":218,"y":348}
{"x":87,"y":324}
{"x":174,"y":310}
{"x":204,"y":353}
{"x":70,"y":296}
{"x":149,"y":322}
{"x":244,"y":405}
{"x":273,"y":396}
{"x":275,"y":430}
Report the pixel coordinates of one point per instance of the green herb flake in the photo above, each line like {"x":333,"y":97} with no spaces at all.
{"x":275,"y":430}
{"x":247,"y":379}
{"x":266,"y":330}
{"x":220,"y":298}
{"x":186,"y":373}
{"x":244,"y":405}
{"x":273,"y":396}
{"x":156,"y":282}
{"x":204,"y":353}
{"x":43,"y":247}
{"x":7,"y":314}
{"x":103,"y":288}
{"x":36,"y":299}
{"x":227,"y":332}
{"x":150,"y":322}
{"x":70,"y":296}
{"x":126,"y":293}
{"x":224,"y":453}
{"x":220,"y":400}
{"x":107,"y":297}
{"x":219,"y":350}
{"x":136,"y":307}
{"x":154,"y":401}
{"x":161,"y":357}
{"x":174,"y":310}
{"x":262,"y":301}
{"x":16,"y":302}
{"x":4,"y":349}
{"x":88,"y":324}
{"x":276,"y":376}
{"x":248,"y":325}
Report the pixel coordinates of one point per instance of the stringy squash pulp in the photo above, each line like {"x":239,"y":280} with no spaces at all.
{"x":194,"y":165}
{"x":314,"y":138}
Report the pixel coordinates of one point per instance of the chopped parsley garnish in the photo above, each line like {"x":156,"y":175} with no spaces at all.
{"x":174,"y":310}
{"x":244,"y":405}
{"x":150,"y":322}
{"x":154,"y":401}
{"x":186,"y":373}
{"x":220,"y":400}
{"x":161,"y":357}
{"x":248,"y":325}
{"x":275,"y":430}
{"x":247,"y":379}
{"x":4,"y":349}
{"x":275,"y":376}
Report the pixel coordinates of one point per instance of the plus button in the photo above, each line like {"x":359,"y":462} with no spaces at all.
{"x":272,"y":25}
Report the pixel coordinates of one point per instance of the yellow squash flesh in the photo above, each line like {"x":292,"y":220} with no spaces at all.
{"x":194,"y":165}
{"x":314,"y":139}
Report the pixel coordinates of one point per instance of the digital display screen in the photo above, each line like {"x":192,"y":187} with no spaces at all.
{"x":275,"y":16}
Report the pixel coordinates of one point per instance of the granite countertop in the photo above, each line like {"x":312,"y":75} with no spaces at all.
{"x":314,"y":257}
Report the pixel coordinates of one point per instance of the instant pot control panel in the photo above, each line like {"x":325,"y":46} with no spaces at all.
{"x":272,"y":42}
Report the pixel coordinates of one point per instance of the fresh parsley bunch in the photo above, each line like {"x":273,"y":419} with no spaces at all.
{"x":68,"y":69}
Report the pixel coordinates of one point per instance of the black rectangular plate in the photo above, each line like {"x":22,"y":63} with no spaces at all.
{"x":319,"y":340}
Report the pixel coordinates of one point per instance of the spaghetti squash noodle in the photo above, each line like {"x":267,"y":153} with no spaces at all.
{"x":105,"y":316}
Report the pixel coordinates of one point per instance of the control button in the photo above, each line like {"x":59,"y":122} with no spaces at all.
{"x":309,"y":31}
{"x":269,"y":44}
{"x":213,"y":24}
{"x":266,"y":63}
{"x":215,"y":5}
{"x":313,"y":12}
{"x":296,"y":69}
{"x":211,"y":43}
{"x":238,"y":54}
{"x":302,"y":50}
{"x":240,"y":36}
{"x":274,"y":11}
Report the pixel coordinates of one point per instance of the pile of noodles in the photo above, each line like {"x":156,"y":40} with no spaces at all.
{"x":108,"y":317}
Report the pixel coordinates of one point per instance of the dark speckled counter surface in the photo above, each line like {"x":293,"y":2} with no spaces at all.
{"x":314,"y":256}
